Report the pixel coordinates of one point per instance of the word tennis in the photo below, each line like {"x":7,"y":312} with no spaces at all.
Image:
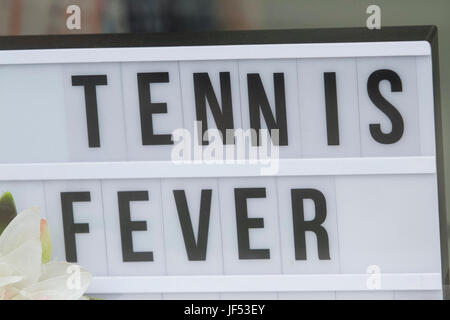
{"x":273,"y":112}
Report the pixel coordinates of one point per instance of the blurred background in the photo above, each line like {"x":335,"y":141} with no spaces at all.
{"x":26,"y":17}
{"x":108,"y":16}
{"x":34,"y":17}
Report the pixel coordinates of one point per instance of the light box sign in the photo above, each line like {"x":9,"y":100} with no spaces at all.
{"x":261,"y":164}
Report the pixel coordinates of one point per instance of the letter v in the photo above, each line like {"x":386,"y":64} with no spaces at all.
{"x":195,"y":248}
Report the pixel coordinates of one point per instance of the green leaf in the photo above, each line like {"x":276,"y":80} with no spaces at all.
{"x":7,"y":210}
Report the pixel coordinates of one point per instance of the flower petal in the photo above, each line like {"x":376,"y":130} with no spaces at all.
{"x":9,"y":293}
{"x":7,"y":277}
{"x":5,"y":270}
{"x":25,"y":261}
{"x":59,"y":281}
{"x":5,"y":281}
{"x":24,"y":227}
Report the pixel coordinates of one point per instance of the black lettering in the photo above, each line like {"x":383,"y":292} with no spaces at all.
{"x":315,"y":225}
{"x":257,"y":100}
{"x":329,"y":79}
{"x":244,"y":223}
{"x":69,"y":225}
{"x":196,"y":249}
{"x":147,"y":108}
{"x":90,"y":83}
{"x":204,"y":92}
{"x":385,"y":106}
{"x":127,"y":226}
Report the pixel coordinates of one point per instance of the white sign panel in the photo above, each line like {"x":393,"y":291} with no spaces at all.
{"x":284,"y":164}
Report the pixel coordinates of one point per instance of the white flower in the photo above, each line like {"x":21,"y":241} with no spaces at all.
{"x":22,"y":273}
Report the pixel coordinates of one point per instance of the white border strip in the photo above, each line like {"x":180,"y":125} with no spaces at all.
{"x":263,"y":283}
{"x":224,"y":52}
{"x":168,"y":169}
